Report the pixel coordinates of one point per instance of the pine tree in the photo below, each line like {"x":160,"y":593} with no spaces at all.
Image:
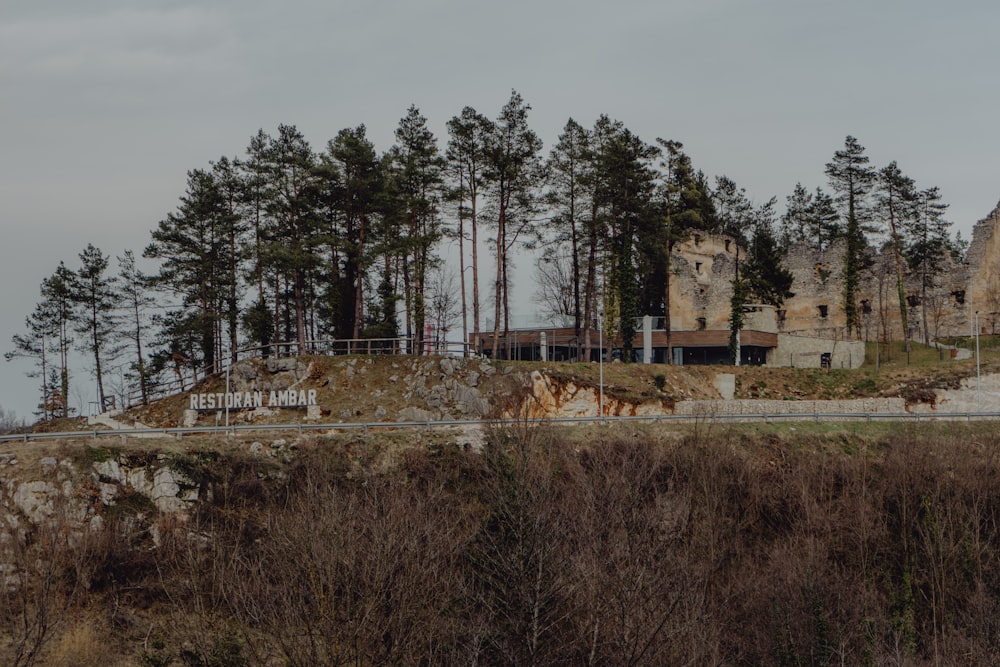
{"x":416,"y":170}
{"x":35,"y":344}
{"x":232,"y":190}
{"x":512,"y":172}
{"x":766,"y":278}
{"x":466,"y":160}
{"x":623,"y":165}
{"x":135,"y":301}
{"x":928,"y":245}
{"x":96,"y":295}
{"x":851,"y":180}
{"x":687,"y":206}
{"x":810,"y":218}
{"x":356,"y":195}
{"x":190,"y":244}
{"x":895,"y":201}
{"x":291,"y":207}
{"x":569,"y":167}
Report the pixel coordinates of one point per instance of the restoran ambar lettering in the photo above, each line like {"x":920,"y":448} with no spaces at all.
{"x":289,"y":398}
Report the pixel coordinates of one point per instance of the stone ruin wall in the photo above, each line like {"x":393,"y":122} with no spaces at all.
{"x":983,"y":285}
{"x":703,"y":268}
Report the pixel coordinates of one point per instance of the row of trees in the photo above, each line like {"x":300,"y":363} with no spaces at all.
{"x":100,"y":314}
{"x":290,"y":244}
{"x":870,"y":207}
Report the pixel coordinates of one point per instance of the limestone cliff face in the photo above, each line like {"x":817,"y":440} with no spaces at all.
{"x":550,"y":398}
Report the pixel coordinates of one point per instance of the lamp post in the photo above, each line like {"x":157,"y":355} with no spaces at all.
{"x":979,"y":395}
{"x":600,"y":363}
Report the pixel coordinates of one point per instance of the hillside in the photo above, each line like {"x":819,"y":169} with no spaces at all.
{"x":393,"y":388}
{"x":845,"y":542}
{"x":700,"y":544}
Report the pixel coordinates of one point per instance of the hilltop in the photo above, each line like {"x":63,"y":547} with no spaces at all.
{"x":429,"y":388}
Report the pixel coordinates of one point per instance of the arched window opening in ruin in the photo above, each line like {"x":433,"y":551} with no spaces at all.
{"x":697,"y":267}
{"x":727,"y":245}
{"x":823,"y":311}
{"x":702,"y":323}
{"x":913,"y":300}
{"x":959,"y":296}
{"x":866,"y":306}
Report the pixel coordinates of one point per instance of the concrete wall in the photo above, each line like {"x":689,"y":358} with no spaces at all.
{"x":766,"y":407}
{"x":805,"y":352}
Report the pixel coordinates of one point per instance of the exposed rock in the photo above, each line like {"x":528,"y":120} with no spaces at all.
{"x":472,"y":379}
{"x":109,"y":471}
{"x":279,"y":382}
{"x":166,"y":492}
{"x":469,"y":401}
{"x":412,"y":414}
{"x":435,"y":398}
{"x":380,"y":412}
{"x":283,"y":365}
{"x":448,"y":365}
{"x":34,"y":499}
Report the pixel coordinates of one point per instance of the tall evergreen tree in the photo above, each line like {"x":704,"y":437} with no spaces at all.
{"x":416,"y":170}
{"x":733,"y":209}
{"x":190,"y":244}
{"x":895,"y":201}
{"x":357,"y":199}
{"x":136,"y":302}
{"x":291,"y":206}
{"x":688,"y":206}
{"x":623,"y":166}
{"x":97,"y":298}
{"x":233,"y":228}
{"x":851,"y":180}
{"x":767,"y":279}
{"x":466,"y":160}
{"x":810,"y":218}
{"x":512,"y":172}
{"x":254,"y":204}
{"x":928,"y":246}
{"x":568,"y":169}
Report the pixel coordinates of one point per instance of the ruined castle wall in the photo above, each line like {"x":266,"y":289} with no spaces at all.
{"x":703,"y":268}
{"x":798,"y":351}
{"x":983,"y":293}
{"x":817,"y":306}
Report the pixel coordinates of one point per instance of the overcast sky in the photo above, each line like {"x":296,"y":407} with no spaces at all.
{"x":106,"y":104}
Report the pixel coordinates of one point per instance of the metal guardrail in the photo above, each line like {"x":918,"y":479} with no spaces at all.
{"x":179,"y":432}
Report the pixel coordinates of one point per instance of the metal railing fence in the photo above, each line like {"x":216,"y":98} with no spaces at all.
{"x":232,"y":430}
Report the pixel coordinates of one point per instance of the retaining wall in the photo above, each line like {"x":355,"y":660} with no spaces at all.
{"x":860,"y":406}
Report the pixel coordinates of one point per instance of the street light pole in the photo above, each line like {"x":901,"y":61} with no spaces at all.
{"x":600,"y":362}
{"x":979,"y":395}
